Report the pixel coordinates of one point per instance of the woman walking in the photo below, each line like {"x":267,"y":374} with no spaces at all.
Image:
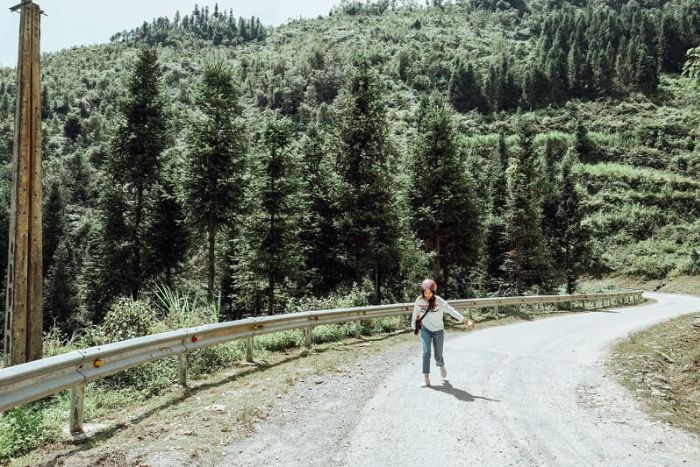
{"x":427,"y":318}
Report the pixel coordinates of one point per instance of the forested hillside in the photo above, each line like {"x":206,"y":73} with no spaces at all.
{"x":503,"y":147}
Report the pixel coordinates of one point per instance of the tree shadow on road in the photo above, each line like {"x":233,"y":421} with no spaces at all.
{"x":460,"y":394}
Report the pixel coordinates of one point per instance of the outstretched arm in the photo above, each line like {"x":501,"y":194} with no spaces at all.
{"x":451,"y":311}
{"x":454,"y":313}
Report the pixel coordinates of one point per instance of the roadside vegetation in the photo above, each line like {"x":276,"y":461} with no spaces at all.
{"x":661,"y":367}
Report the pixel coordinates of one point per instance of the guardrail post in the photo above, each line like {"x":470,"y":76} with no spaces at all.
{"x":358,"y":329}
{"x":183,"y":370}
{"x":249,"y":349}
{"x":495,"y":312}
{"x":77,"y":409}
{"x":308,"y":341}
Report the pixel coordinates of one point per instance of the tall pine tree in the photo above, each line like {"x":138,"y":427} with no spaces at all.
{"x":215,"y":165}
{"x":135,"y":161}
{"x":167,"y":234}
{"x":571,"y":237}
{"x":495,"y":236}
{"x":273,"y":255}
{"x":444,"y":215}
{"x":369,"y":221}
{"x":527,"y":266}
{"x":464,"y":89}
{"x":320,"y":235}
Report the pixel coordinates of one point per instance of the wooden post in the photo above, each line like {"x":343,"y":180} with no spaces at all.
{"x":358,"y":329}
{"x":24,"y":306}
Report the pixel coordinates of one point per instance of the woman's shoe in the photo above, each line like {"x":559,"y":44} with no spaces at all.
{"x":443,"y":372}
{"x":426,"y":381}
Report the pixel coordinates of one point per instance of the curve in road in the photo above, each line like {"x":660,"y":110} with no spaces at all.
{"x":533,"y":393}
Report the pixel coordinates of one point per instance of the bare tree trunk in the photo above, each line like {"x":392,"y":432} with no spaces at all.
{"x":136,"y":279}
{"x":211,"y":258}
{"x":377,"y":285}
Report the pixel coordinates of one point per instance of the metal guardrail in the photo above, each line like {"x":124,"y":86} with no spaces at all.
{"x":31,"y":381}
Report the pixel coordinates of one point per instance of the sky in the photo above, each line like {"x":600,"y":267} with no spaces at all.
{"x":82,"y":22}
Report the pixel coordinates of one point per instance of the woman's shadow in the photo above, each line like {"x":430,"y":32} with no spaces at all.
{"x":460,"y":394}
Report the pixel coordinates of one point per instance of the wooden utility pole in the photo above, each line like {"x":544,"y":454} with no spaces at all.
{"x":24,"y":307}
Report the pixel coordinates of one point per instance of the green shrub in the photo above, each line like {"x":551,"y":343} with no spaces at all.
{"x":127,"y":319}
{"x":280,"y":340}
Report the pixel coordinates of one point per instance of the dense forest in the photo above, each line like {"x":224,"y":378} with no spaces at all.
{"x":500,"y":146}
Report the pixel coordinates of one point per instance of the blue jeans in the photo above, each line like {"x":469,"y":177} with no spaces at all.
{"x":438,"y":338}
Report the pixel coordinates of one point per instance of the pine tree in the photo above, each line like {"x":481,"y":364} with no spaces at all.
{"x":571,"y":237}
{"x":4,"y":103}
{"x":554,"y":151}
{"x":464,"y":89}
{"x":54,"y":224}
{"x":511,"y":89}
{"x":273,"y":256}
{"x":167,"y":234}
{"x":646,"y":72}
{"x":61,"y":302}
{"x":536,"y":89}
{"x":493,"y":87}
{"x":495,"y":229}
{"x":555,"y":68}
{"x":320,"y":236}
{"x":45,"y":106}
{"x":108,"y":266}
{"x":528,"y":264}
{"x":670,"y":52}
{"x":369,"y":222}
{"x":575,"y":71}
{"x":624,"y":67}
{"x":135,"y":159}
{"x":603,"y":71}
{"x":217,"y":145}
{"x":444,"y":215}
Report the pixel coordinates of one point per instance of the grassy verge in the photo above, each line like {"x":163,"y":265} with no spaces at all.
{"x":661,"y":365}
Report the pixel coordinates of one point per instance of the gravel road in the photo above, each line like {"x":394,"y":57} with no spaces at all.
{"x":532,"y":393}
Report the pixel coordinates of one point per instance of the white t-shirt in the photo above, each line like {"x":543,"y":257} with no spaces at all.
{"x":433,"y":320}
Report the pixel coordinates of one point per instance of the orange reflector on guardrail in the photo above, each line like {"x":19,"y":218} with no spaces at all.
{"x":98,"y":362}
